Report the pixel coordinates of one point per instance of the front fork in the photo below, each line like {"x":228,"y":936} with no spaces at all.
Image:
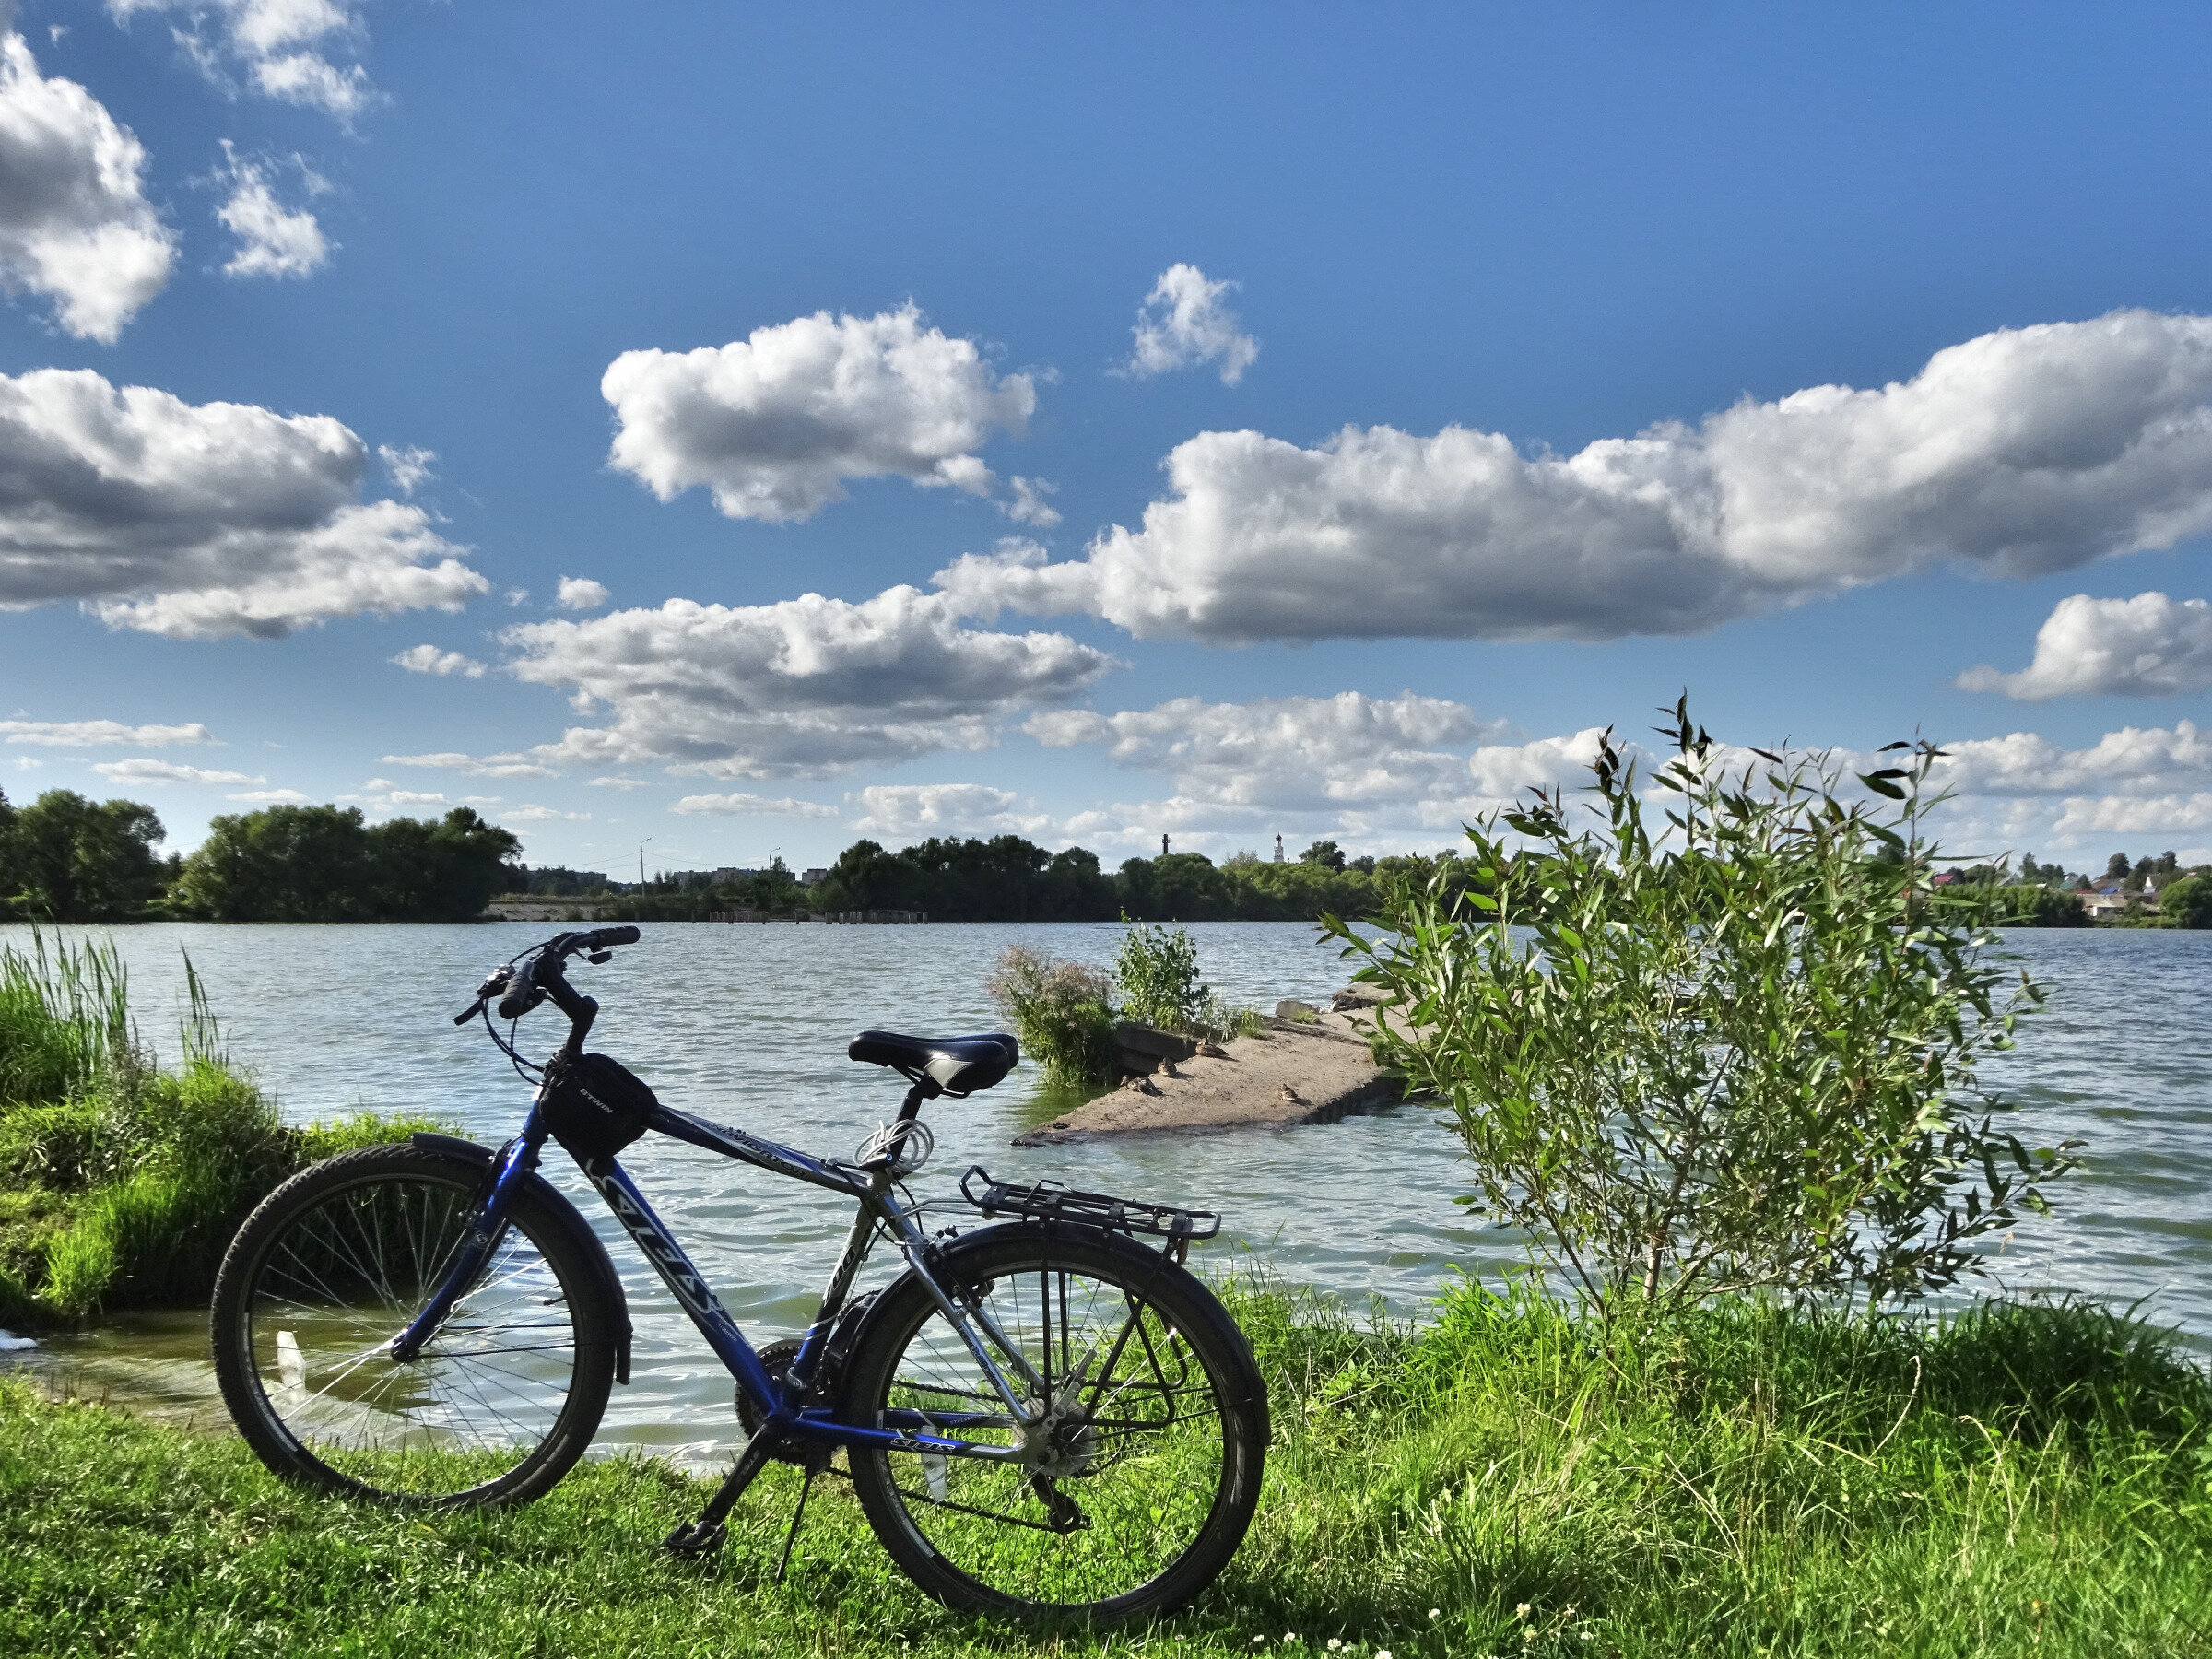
{"x":511,"y":1166}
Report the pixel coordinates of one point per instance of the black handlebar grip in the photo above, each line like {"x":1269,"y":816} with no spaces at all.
{"x":522,"y":994}
{"x":625,"y":934}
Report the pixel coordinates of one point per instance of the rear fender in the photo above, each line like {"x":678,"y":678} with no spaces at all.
{"x":566,"y":1216}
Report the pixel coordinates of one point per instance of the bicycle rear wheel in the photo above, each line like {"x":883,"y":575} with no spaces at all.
{"x":335,"y":1263}
{"x":1139,"y":1484}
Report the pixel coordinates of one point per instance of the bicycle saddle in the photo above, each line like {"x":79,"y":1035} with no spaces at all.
{"x":958,"y":1065}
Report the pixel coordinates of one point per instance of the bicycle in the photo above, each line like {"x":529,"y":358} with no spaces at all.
{"x":1041,"y":1418}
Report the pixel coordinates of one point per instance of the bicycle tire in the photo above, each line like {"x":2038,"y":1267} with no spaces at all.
{"x":505,"y":1396}
{"x":1164,"y":1504}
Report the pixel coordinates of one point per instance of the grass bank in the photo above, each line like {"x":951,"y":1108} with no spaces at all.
{"x":121,"y":1181}
{"x":1747,"y":1482}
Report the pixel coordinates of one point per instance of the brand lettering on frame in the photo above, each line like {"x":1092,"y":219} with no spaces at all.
{"x":657,"y":1245}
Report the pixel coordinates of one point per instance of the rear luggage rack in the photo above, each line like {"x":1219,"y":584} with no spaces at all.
{"x":1049,"y":1201}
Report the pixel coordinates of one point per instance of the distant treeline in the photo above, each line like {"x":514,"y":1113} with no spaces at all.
{"x":65,"y":858}
{"x":1009,"y":879}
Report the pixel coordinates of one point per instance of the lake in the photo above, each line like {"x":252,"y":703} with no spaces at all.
{"x":747,"y":1024}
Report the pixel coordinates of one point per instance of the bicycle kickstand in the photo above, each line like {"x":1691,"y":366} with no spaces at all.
{"x":797,"y":1515}
{"x":704,"y":1536}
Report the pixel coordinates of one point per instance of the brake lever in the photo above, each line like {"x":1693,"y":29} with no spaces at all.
{"x":494,"y":982}
{"x":598,"y":956}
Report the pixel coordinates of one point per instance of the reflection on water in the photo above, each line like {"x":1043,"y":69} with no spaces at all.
{"x":747,"y":1025}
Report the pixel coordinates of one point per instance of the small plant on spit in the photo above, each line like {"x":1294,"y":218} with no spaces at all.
{"x":1156,"y":972}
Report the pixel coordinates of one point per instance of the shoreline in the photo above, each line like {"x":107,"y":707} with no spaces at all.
{"x":1306,"y":1070}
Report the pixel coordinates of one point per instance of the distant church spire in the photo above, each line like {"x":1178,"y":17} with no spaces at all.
{"x":1163,"y":846}
{"x":1278,"y":849}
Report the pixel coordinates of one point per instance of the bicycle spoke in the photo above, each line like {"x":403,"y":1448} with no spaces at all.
{"x":346,"y":1278}
{"x":1143,"y":1453}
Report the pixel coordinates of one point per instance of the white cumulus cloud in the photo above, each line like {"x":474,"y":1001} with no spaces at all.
{"x":798,"y":689}
{"x":273,"y":239}
{"x":541,"y":815}
{"x":75,"y":225}
{"x":2147,"y":646}
{"x":152,"y":773}
{"x":198,"y":520}
{"x":429,"y":659}
{"x":739,"y":805}
{"x":78,"y":733}
{"x":408,"y":468}
{"x":1029,"y":505}
{"x":1298,"y":753}
{"x":581,"y":593}
{"x":2123,"y":814}
{"x":2020,"y":453}
{"x":270,"y":798}
{"x":2134,"y":760}
{"x":298,"y":52}
{"x":1184,"y":321}
{"x":905,"y":812}
{"x":383,"y":795}
{"x":475,"y":766}
{"x":775,"y":423}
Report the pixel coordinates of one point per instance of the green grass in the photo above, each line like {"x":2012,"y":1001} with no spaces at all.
{"x":2020,"y":1480}
{"x":121,"y":1183}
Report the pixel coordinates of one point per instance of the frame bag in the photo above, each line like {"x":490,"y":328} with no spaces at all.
{"x":595,"y":1106}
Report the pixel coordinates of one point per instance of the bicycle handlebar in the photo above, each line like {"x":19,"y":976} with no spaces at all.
{"x":600,"y":938}
{"x":527,"y":986}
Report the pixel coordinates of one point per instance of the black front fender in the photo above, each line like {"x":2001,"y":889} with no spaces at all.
{"x":566,"y":1216}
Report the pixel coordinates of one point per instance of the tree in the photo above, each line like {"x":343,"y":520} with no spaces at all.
{"x":282,"y":864}
{"x":1326,"y":853}
{"x":325,"y":864}
{"x":2042,"y":907}
{"x":69,"y":859}
{"x":2117,"y":868}
{"x":1176,"y":887}
{"x":2188,"y":901}
{"x":1736,"y":1050}
{"x":437,"y":872}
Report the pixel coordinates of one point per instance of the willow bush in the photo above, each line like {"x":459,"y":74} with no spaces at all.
{"x":1063,"y":1012}
{"x":1734,"y":1049}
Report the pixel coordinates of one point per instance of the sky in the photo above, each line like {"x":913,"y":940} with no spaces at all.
{"x":691,"y":433}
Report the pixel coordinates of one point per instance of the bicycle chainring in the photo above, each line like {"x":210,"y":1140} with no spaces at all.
{"x":812,"y":1455}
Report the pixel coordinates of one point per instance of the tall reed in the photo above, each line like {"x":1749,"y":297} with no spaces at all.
{"x":121,"y":1183}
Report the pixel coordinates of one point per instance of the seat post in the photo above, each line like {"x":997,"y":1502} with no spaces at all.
{"x":922,"y":1089}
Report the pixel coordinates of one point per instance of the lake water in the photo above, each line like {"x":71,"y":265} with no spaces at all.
{"x":747,"y":1024}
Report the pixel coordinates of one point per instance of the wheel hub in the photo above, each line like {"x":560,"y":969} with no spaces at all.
{"x":1061,"y":1443}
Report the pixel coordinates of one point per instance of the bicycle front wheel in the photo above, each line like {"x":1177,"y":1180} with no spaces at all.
{"x":1142,"y":1439}
{"x":334,"y":1263}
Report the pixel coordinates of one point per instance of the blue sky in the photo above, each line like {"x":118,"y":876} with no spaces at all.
{"x":1424,"y":258}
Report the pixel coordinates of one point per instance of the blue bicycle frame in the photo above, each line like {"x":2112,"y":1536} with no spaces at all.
{"x":781,"y":1403}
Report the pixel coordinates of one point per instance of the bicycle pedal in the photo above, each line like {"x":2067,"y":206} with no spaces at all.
{"x":695,"y":1540}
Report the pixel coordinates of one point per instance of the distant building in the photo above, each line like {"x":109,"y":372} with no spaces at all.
{"x":808,"y":877}
{"x":729,"y":874}
{"x":2105,"y":902}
